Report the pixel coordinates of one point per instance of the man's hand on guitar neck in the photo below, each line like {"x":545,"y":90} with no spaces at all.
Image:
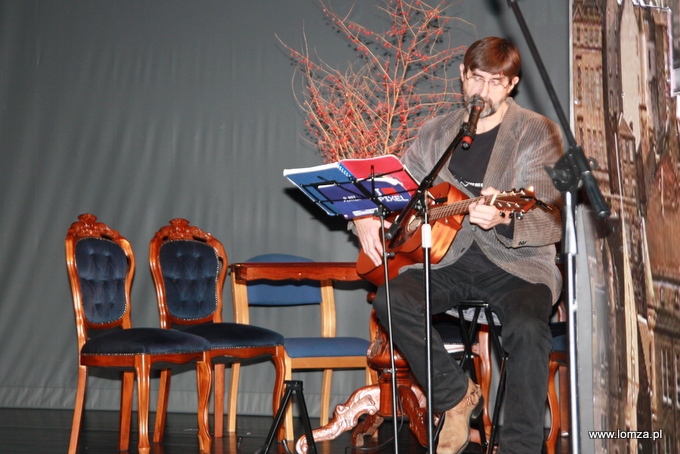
{"x":487,"y":216}
{"x":368,"y":231}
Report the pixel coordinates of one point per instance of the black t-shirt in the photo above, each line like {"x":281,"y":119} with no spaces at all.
{"x":468,"y":168}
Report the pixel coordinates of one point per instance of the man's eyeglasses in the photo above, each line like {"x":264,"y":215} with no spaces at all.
{"x":476,"y":81}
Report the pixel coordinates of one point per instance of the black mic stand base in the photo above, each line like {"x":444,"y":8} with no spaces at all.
{"x":292,"y":386}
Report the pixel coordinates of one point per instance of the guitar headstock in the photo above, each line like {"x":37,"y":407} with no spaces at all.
{"x":515,"y":201}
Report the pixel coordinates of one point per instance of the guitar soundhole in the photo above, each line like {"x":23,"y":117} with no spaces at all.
{"x":403,"y":235}
{"x":414,"y":224}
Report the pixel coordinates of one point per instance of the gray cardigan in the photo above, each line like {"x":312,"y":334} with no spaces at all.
{"x":526,"y":142}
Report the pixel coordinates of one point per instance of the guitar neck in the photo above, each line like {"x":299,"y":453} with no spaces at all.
{"x":451,"y":209}
{"x":516,"y":202}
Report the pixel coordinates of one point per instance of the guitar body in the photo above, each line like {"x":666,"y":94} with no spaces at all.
{"x":405,"y":248}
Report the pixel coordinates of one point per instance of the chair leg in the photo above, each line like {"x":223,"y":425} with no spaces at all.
{"x":484,"y":376}
{"x":218,"y":413}
{"x":553,"y":406}
{"x":563,"y":371}
{"x":289,"y":432}
{"x":143,"y":371}
{"x":325,"y":396}
{"x":371,"y":379}
{"x":127,"y":391}
{"x":279,"y":383}
{"x":78,"y":409}
{"x":162,"y":406}
{"x":233,"y":397}
{"x":203,"y":382}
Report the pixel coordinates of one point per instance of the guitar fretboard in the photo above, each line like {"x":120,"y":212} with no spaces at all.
{"x":507,"y":201}
{"x":451,"y":209}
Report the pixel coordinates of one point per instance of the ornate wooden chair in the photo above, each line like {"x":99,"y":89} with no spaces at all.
{"x":287,"y":280}
{"x":189,"y":269}
{"x":101,"y":266}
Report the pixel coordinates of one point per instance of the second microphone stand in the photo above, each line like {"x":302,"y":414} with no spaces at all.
{"x":569,"y":173}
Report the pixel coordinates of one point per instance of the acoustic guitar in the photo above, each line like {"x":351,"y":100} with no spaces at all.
{"x":448,"y":206}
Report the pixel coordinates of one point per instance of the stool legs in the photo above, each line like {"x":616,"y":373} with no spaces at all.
{"x":467,"y":334}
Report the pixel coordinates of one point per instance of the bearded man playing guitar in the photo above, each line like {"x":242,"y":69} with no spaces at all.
{"x":502,"y":259}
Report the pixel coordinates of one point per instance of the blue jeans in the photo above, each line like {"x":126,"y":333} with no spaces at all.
{"x":523,"y":309}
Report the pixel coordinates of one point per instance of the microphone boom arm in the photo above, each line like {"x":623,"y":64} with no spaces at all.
{"x":426,"y":183}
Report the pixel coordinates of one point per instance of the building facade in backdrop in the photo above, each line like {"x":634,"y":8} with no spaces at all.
{"x":626,"y":118}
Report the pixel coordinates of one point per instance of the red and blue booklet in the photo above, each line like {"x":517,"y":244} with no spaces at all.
{"x":356,"y":187}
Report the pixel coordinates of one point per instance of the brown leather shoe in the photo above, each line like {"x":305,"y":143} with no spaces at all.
{"x":454,"y":435}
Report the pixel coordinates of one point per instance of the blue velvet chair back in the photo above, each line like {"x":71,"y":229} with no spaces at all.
{"x":102,"y":271}
{"x":282,"y":293}
{"x":190,"y":271}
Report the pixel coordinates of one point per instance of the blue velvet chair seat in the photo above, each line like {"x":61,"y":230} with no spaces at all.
{"x":311,"y":347}
{"x":235,"y":335}
{"x":144,"y":341}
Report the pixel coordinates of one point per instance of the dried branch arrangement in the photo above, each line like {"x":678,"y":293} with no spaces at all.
{"x":399,"y":80}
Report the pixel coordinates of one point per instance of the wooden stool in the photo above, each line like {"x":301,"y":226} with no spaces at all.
{"x":476,"y":313}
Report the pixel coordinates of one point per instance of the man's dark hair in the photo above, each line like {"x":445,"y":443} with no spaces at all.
{"x":493,"y":55}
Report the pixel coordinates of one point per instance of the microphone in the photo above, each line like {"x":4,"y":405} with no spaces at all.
{"x":476,"y":106}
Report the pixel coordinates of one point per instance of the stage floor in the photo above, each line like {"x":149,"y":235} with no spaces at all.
{"x":47,"y":432}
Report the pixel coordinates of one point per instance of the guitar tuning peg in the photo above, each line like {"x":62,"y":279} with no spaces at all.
{"x":519,"y":215}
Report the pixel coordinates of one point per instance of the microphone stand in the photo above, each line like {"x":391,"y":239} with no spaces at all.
{"x":419,"y":202}
{"x":570,"y":172}
{"x":395,"y":425}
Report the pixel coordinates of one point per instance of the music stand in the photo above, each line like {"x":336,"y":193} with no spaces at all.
{"x":387,"y":188}
{"x":356,"y":187}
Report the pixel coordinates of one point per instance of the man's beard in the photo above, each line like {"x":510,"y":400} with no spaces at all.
{"x":489,"y":107}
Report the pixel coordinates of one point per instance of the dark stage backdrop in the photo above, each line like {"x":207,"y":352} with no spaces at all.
{"x":140,"y":112}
